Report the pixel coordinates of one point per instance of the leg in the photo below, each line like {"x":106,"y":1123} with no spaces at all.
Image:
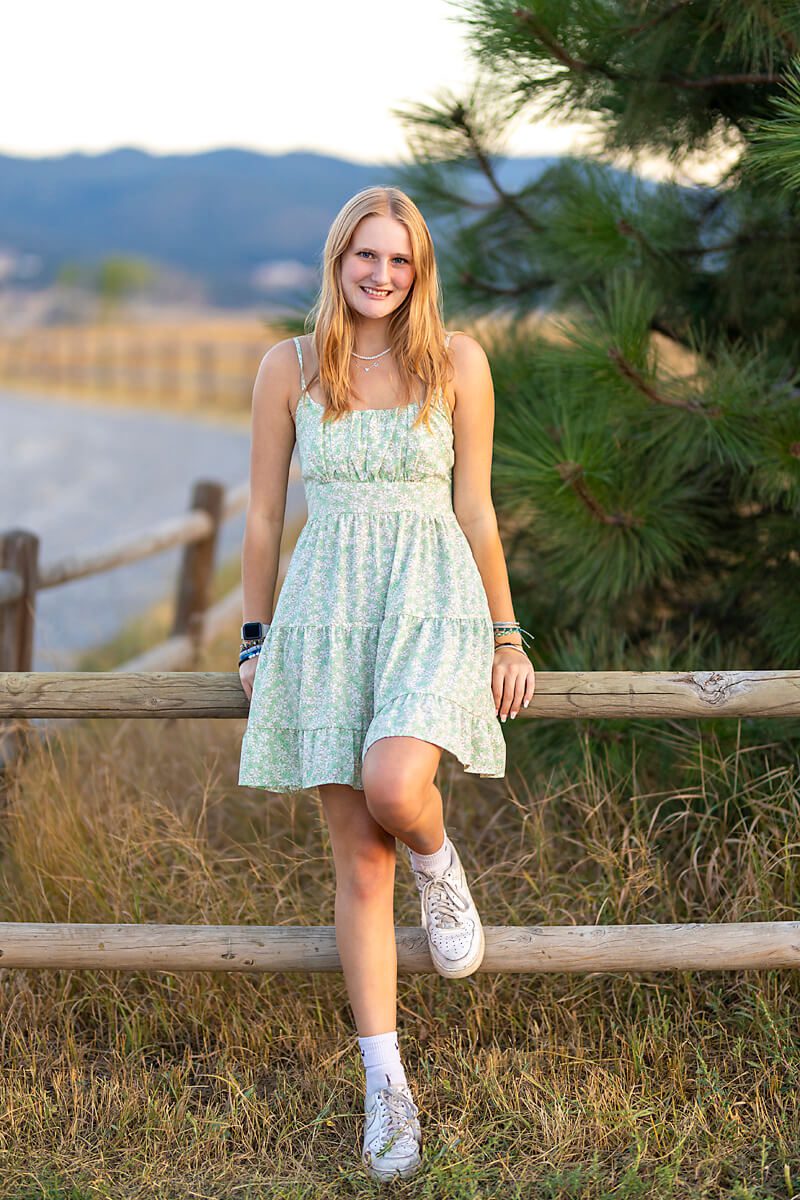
{"x":365,"y":856}
{"x":398,"y":775}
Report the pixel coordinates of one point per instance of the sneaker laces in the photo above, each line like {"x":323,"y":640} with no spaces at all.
{"x":443,"y":901}
{"x":396,"y":1109}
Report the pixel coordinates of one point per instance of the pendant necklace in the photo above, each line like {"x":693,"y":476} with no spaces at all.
{"x":370,"y":357}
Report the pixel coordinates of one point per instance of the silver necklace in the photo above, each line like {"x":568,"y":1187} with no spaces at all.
{"x":370,"y":357}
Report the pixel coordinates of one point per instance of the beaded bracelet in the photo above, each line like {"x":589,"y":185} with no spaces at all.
{"x":249,"y":649}
{"x":504,"y":627}
{"x":250,"y":653}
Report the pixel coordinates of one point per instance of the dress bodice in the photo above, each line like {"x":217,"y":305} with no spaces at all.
{"x":373,"y":444}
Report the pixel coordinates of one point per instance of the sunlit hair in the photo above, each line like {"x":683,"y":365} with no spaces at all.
{"x":416,"y":329}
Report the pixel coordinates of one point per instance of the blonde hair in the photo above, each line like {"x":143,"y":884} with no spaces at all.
{"x":416,"y":328}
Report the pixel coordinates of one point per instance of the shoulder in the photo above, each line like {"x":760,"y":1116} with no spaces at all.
{"x":281,"y":356}
{"x":280,"y":363}
{"x":278,"y":375}
{"x":467,"y":353}
{"x":472,"y":374}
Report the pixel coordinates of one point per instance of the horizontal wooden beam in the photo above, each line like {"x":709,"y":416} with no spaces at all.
{"x":560,"y":694}
{"x":179,"y":530}
{"x":574,"y":949}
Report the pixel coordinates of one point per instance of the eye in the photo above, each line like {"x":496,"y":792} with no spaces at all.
{"x":398,"y":258}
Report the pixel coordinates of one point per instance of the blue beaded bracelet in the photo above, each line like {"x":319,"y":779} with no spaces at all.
{"x":251,"y":653}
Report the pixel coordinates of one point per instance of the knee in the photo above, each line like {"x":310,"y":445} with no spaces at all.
{"x":396,"y":803}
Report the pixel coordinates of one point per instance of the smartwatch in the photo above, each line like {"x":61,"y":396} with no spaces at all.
{"x":252,"y":630}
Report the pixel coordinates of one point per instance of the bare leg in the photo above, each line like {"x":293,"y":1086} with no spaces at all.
{"x":398,"y":776}
{"x":364,"y":856}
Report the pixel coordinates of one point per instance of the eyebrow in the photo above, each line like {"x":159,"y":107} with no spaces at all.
{"x":397,"y":254}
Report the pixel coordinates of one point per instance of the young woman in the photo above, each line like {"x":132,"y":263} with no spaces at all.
{"x":393,"y":637}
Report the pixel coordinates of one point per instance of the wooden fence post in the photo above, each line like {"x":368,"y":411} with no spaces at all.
{"x":197,"y":567}
{"x":19,"y":552}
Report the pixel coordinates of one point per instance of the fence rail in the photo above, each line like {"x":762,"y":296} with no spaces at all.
{"x":752,"y":945}
{"x":559,"y":694}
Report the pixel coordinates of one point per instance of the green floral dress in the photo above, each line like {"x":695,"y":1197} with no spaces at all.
{"x":382,"y":626}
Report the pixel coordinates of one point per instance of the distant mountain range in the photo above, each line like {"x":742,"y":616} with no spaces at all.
{"x":231,"y":227}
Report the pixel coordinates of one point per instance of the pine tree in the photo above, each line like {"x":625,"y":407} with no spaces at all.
{"x":647,"y":459}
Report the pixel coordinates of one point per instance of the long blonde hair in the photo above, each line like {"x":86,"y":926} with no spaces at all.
{"x":416,"y":328}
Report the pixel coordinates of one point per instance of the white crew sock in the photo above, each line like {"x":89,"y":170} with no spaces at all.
{"x":436,"y":863}
{"x":380,"y":1054}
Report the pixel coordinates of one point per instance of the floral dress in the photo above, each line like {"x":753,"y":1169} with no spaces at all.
{"x":382,"y":625}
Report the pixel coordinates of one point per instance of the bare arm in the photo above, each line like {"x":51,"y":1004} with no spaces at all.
{"x":513,"y":677}
{"x":473,"y":428}
{"x":272,"y":442}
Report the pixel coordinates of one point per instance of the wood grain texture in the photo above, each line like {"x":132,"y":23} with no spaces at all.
{"x":572,"y":949}
{"x":559,"y":694}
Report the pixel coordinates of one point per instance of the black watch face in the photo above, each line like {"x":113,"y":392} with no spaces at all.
{"x":251,"y":629}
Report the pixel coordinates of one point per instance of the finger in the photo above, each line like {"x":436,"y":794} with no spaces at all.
{"x":519,"y":692}
{"x":508,"y":693}
{"x":530,"y":688}
{"x":498,"y":688}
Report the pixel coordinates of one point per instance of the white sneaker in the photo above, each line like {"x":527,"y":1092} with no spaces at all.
{"x":450,"y":919}
{"x":392,"y":1136}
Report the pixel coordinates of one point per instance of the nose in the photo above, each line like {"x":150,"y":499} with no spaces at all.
{"x":380,"y":274}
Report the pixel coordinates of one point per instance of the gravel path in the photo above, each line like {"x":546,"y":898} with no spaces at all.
{"x":79,"y":475}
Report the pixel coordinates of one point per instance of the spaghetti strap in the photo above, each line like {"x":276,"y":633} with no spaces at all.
{"x":300,"y":360}
{"x":447,"y":340}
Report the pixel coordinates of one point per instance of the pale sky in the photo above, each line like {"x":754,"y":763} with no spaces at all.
{"x":179,"y":76}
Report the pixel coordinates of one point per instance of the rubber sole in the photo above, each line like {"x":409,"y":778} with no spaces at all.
{"x":387,"y":1177}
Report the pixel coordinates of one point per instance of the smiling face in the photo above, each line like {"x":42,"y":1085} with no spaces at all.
{"x":377,"y":268}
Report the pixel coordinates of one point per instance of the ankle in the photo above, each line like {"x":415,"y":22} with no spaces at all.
{"x":380,"y":1055}
{"x":433,"y":864}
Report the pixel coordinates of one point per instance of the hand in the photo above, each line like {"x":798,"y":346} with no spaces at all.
{"x":247,"y":673}
{"x":513,"y":681}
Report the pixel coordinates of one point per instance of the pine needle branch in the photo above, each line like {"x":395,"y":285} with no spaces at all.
{"x":587,"y":67}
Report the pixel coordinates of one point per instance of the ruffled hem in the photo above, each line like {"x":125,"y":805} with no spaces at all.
{"x":476,"y":741}
{"x":305,"y":758}
{"x":301,"y":758}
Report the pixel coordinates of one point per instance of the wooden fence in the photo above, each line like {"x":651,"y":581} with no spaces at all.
{"x":134,"y":361}
{"x":160,"y":683}
{"x":195,"y":621}
{"x":155,"y":695}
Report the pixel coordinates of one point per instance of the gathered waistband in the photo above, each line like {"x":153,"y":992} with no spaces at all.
{"x":429,"y":496}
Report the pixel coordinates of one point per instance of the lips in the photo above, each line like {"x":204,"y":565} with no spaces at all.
{"x":375,"y":294}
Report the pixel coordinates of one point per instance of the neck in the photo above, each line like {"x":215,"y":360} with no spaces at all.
{"x":371,"y":335}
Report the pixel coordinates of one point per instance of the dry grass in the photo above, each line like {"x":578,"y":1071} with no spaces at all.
{"x":206,"y":1084}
